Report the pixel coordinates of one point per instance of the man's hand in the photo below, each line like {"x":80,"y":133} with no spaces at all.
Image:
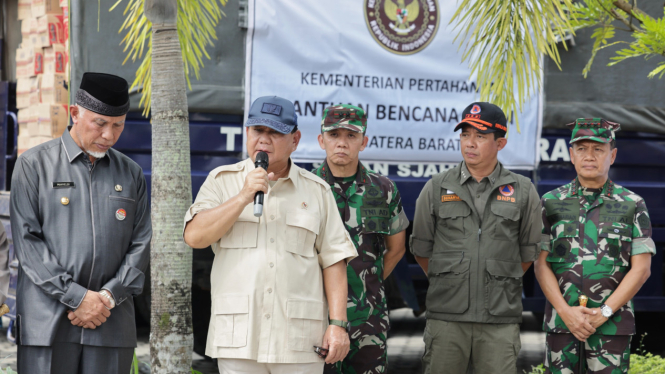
{"x":336,"y":341}
{"x":92,"y":312}
{"x":255,"y":181}
{"x":77,"y":321}
{"x":597,"y":319}
{"x":577,"y":320}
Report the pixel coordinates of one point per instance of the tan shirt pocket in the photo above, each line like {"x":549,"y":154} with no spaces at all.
{"x":231,"y":320}
{"x":302,"y":227}
{"x":305,"y":324}
{"x":244,"y":233}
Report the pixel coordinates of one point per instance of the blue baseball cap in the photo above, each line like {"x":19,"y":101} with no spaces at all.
{"x":273,"y":111}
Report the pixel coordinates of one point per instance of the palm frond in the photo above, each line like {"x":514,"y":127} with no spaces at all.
{"x":196,"y":24}
{"x":607,"y":17}
{"x":503,"y":42}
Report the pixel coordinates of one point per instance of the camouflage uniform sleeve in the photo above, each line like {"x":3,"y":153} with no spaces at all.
{"x":398,"y":220}
{"x":546,"y":236}
{"x":642,"y":242}
{"x":333,"y":244}
{"x":531,"y":227}
{"x":422,"y":239}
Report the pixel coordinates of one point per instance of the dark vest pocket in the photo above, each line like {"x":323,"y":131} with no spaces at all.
{"x":448,"y":284}
{"x":454,"y":220}
{"x":504,"y":288}
{"x":508,"y":221}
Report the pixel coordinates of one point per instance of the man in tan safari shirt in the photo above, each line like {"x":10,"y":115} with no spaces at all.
{"x":276,"y":278}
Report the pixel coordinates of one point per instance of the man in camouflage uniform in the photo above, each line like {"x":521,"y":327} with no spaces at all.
{"x":597,"y":242}
{"x":371,"y":209}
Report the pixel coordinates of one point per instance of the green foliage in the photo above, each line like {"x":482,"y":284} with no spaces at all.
{"x":135,"y":365}
{"x":606,"y":17}
{"x":197,"y":20}
{"x":647,"y":364}
{"x":540,"y":369}
{"x":504,"y":41}
{"x":8,"y":371}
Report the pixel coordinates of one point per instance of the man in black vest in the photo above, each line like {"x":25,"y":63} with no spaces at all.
{"x":475,"y":233}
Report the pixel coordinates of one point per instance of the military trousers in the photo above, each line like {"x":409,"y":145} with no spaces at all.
{"x":453,"y":347}
{"x":72,"y":358}
{"x":240,"y":366}
{"x":367,"y":355}
{"x":602,"y":354}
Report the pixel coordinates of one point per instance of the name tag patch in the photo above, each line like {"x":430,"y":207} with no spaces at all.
{"x":63,"y":184}
{"x":447,"y":198}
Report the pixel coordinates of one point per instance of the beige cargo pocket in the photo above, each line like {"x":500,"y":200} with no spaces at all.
{"x":455,"y":220}
{"x":305,"y":324}
{"x":231,"y":320}
{"x":448,"y":284}
{"x":302,"y":228}
{"x":244,"y":233}
{"x":508,"y":220}
{"x":504,"y":288}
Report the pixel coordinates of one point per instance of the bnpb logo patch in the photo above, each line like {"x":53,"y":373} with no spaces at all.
{"x":475,"y":109}
{"x":507,"y":190}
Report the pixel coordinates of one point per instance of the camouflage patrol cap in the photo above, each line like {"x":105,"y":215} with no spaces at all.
{"x":344,"y":116}
{"x":595,"y":129}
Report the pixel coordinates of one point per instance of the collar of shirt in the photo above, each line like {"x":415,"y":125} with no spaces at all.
{"x":576,"y":188}
{"x":72,"y":149}
{"x":362,"y":176}
{"x":465,"y":175}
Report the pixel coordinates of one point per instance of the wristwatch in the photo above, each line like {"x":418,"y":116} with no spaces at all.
{"x":606,"y":311}
{"x":343,"y":324}
{"x":107,"y":295}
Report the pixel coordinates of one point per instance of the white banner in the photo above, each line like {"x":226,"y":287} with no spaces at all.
{"x":394,"y":58}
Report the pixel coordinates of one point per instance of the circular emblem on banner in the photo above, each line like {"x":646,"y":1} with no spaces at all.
{"x":120,"y":214}
{"x":507,"y":190}
{"x":402,"y":26}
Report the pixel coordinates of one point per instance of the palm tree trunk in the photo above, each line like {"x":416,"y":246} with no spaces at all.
{"x":171,"y":337}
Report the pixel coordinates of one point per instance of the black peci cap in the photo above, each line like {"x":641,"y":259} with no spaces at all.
{"x":484,"y":117}
{"x":105,"y":94}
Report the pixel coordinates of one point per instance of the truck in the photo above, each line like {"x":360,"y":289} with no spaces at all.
{"x":216,"y":126}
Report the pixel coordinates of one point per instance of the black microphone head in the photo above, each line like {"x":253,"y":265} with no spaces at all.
{"x":261,"y":160}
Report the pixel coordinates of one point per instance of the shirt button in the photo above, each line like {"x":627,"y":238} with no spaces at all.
{"x":272,"y":240}
{"x":478,"y":196}
{"x":271,"y":264}
{"x":269,"y":290}
{"x":272,"y":217}
{"x":267,"y":316}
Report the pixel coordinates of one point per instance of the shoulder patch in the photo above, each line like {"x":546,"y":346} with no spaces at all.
{"x":644,"y":222}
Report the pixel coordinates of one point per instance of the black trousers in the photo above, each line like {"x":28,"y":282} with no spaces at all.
{"x":72,"y":358}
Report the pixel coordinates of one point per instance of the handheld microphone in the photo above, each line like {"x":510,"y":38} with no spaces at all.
{"x":261,"y":161}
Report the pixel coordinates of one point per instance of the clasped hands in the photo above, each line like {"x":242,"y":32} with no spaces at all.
{"x":582,"y":322}
{"x":93,"y":311}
